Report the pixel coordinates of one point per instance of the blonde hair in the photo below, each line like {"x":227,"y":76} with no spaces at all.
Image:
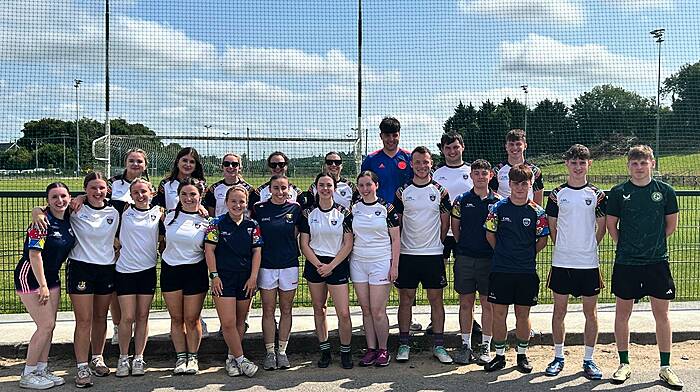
{"x":640,"y":152}
{"x":141,"y":180}
{"x":237,"y":188}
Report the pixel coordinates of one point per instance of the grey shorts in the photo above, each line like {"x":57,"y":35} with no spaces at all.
{"x":472,"y":274}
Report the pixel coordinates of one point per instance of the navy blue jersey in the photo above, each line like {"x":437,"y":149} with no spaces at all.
{"x":55,"y":243}
{"x":234,"y":243}
{"x":471,"y":210}
{"x":392,"y":171}
{"x":278,"y":224}
{"x":517,"y":230}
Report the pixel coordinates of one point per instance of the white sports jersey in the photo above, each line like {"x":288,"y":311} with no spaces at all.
{"x":264,"y":192}
{"x":370,"y":226}
{"x":216,"y":195}
{"x":421,"y":207}
{"x":344,"y":191}
{"x":138,"y":237}
{"x":500,"y":181}
{"x":576,"y":210}
{"x":169,"y":191}
{"x":184,"y":238}
{"x":120,"y":189}
{"x":456,"y":179}
{"x":326,"y":228}
{"x":94,"y":230}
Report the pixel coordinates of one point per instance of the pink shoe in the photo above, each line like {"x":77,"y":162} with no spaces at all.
{"x":383,"y":358}
{"x":369,"y":358}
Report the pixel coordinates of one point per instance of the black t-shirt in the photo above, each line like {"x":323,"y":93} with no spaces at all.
{"x":278,"y":224}
{"x":234,"y":243}
{"x":471,"y":210}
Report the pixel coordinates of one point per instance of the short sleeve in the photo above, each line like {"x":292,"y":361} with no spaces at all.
{"x":347,"y":221}
{"x":398,"y":201}
{"x":601,"y":204}
{"x":392,"y":217}
{"x":211,"y":236}
{"x":209,"y":199}
{"x":256,"y":240}
{"x":538,"y":181}
{"x":491,"y":223}
{"x":36,"y":239}
{"x":613,"y":207}
{"x":445,"y":205}
{"x":456,"y":211}
{"x":304,"y":222}
{"x":671,"y":206}
{"x":542,"y":227}
{"x":552,"y":204}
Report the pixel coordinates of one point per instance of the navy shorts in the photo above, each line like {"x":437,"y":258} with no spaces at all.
{"x":234,"y":284}
{"x":340,"y":274}
{"x":87,"y":278}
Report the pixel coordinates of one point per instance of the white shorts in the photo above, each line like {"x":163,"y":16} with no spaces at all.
{"x":285,"y":279}
{"x":374,"y":273}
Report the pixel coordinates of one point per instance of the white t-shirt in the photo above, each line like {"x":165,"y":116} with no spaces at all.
{"x":216,"y":195}
{"x":500,"y":181}
{"x":576,"y":210}
{"x":94,"y":230}
{"x":421,"y":207}
{"x":121,"y":189}
{"x":370,"y":226}
{"x":344,"y":191}
{"x":326,"y":228}
{"x":456,"y":179}
{"x":169,"y":192}
{"x":265,"y":194}
{"x":184,"y":238}
{"x":138,"y":237}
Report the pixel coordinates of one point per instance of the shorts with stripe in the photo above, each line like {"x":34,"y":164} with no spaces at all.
{"x":192,"y":279}
{"x":136,"y":283}
{"x":87,"y":278}
{"x":25,"y":281}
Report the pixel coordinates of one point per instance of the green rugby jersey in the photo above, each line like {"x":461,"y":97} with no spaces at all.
{"x":642,"y":212}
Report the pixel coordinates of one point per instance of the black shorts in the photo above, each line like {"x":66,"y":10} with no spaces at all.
{"x":472,"y":274}
{"x":190,"y":278}
{"x":136,"y":283}
{"x":514,"y":288}
{"x":637,"y":281}
{"x":449,"y":246}
{"x":86,"y":278}
{"x":234,"y":284}
{"x":25,"y":281}
{"x":575,"y":282}
{"x":340,"y":274}
{"x":429,"y":271}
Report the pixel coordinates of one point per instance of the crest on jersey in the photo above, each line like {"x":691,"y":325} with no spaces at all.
{"x":656,"y":196}
{"x":289,"y":217}
{"x":402,"y":165}
{"x":81,"y":286}
{"x":589,"y":201}
{"x":626,"y":197}
{"x":432,"y":197}
{"x":153,"y":217}
{"x":377,"y":213}
{"x":110,"y":220}
{"x":526,"y":221}
{"x":342,"y":193}
{"x":197,"y":225}
{"x":465,"y":176}
{"x":334,"y":222}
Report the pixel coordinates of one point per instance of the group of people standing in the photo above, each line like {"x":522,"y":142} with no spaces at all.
{"x":398,"y":223}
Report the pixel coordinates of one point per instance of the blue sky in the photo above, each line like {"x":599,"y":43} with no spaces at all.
{"x":288,"y":67}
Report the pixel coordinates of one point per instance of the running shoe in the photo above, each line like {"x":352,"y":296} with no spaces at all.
{"x":429,"y":329}
{"x":482,"y":356}
{"x":270,"y":362}
{"x":497,"y":363}
{"x":98,"y":367}
{"x":415,"y":326}
{"x":403,"y":353}
{"x":180,"y":366}
{"x":556,"y":366}
{"x":192,"y":366}
{"x":523,"y":364}
{"x":463,"y":355}
{"x":34,"y":380}
{"x":231,"y":367}
{"x":346,"y":360}
{"x":123,"y":367}
{"x":592,"y":371}
{"x":48,"y":374}
{"x":138,"y":367}
{"x":248,"y":368}
{"x":325,"y":359}
{"x":283,"y":361}
{"x":383,"y":358}
{"x":670,"y":378}
{"x":623,"y":372}
{"x":369,"y":358}
{"x":441,"y":354}
{"x":84,"y":377}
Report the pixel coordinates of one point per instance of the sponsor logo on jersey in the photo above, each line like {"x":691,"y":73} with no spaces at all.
{"x":265,"y":219}
{"x":110,"y":220}
{"x":57,"y":234}
{"x":469,"y":205}
{"x":626,"y":197}
{"x":589,"y":201}
{"x":505,"y":219}
{"x":81,"y":286}
{"x":656,"y":196}
{"x":526,"y":221}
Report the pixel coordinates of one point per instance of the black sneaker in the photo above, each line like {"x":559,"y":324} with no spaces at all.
{"x":346,"y":360}
{"x":523,"y":364}
{"x":497,"y":363}
{"x":429,"y":329}
{"x":325,"y":359}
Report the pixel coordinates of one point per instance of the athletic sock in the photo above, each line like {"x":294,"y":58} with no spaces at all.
{"x":239,"y":360}
{"x":438,"y":339}
{"x":486,"y":339}
{"x":404,"y":338}
{"x":182,"y":355}
{"x":230,"y":357}
{"x":559,"y":350}
{"x":270,"y":348}
{"x":324,"y":345}
{"x":29,"y":369}
{"x":665,"y":359}
{"x":282,"y":344}
{"x":81,"y":364}
{"x":41,"y":365}
{"x":97,"y":356}
{"x":123,"y":356}
{"x":344,"y":348}
{"x":467,"y":339}
{"x":522,"y":346}
{"x":138,"y":357}
{"x":624,"y":356}
{"x":500,"y":347}
{"x":588,"y":353}
{"x":191,"y":355}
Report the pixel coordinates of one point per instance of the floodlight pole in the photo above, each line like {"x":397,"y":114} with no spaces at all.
{"x":659,"y":35}
{"x":208,"y":127}
{"x":524,"y":87}
{"x":358,"y":153}
{"x":108,"y":128}
{"x":77,"y":127}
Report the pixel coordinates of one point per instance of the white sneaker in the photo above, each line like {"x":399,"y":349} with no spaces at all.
{"x":115,"y":335}
{"x":192,"y":366}
{"x":205,"y":331}
{"x":46,"y":373}
{"x":248,"y":368}
{"x":34,"y":380}
{"x":180,"y":366}
{"x":123,"y":367}
{"x":138,"y":367}
{"x":232,"y":367}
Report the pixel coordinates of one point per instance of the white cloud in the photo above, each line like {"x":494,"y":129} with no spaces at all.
{"x":550,"y":12}
{"x":544,"y":58}
{"x":640,"y":5}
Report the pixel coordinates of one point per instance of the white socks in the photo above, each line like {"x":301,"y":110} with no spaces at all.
{"x":588,"y":353}
{"x":467,"y":339}
{"x":559,"y":350}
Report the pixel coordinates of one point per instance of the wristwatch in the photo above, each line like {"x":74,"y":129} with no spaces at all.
{"x":213,"y":275}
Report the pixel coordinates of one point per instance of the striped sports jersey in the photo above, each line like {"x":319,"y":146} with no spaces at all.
{"x":184,"y":238}
{"x":138,"y":236}
{"x":326,"y":228}
{"x":471,"y":210}
{"x":167,"y":196}
{"x":215,"y":197}
{"x":370,"y":227}
{"x":421,"y":207}
{"x":54,"y":244}
{"x":576,"y":210}
{"x":500,"y":184}
{"x":119,"y":192}
{"x":456,"y":179}
{"x":262,"y":193}
{"x":95,"y":230}
{"x":345,"y":194}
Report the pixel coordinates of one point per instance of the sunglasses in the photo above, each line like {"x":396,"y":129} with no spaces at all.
{"x":336,"y":162}
{"x":278,"y":165}
{"x":230,"y":163}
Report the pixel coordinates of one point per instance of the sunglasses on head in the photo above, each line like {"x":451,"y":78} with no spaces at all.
{"x":278,"y":165}
{"x":336,"y":162}
{"x":230,"y":163}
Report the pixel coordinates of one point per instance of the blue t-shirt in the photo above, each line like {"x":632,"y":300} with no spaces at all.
{"x":471,"y":210}
{"x":55,"y":243}
{"x":517,"y":229}
{"x":277,"y":225}
{"x":392,"y":172}
{"x":234,"y":243}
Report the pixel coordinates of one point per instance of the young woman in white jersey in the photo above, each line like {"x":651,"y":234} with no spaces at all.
{"x":345,"y":191}
{"x":183,"y":274}
{"x":374,"y":265}
{"x":140,"y":233}
{"x":233,"y":252}
{"x":215,"y":197}
{"x":187,"y":164}
{"x":326,"y":241}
